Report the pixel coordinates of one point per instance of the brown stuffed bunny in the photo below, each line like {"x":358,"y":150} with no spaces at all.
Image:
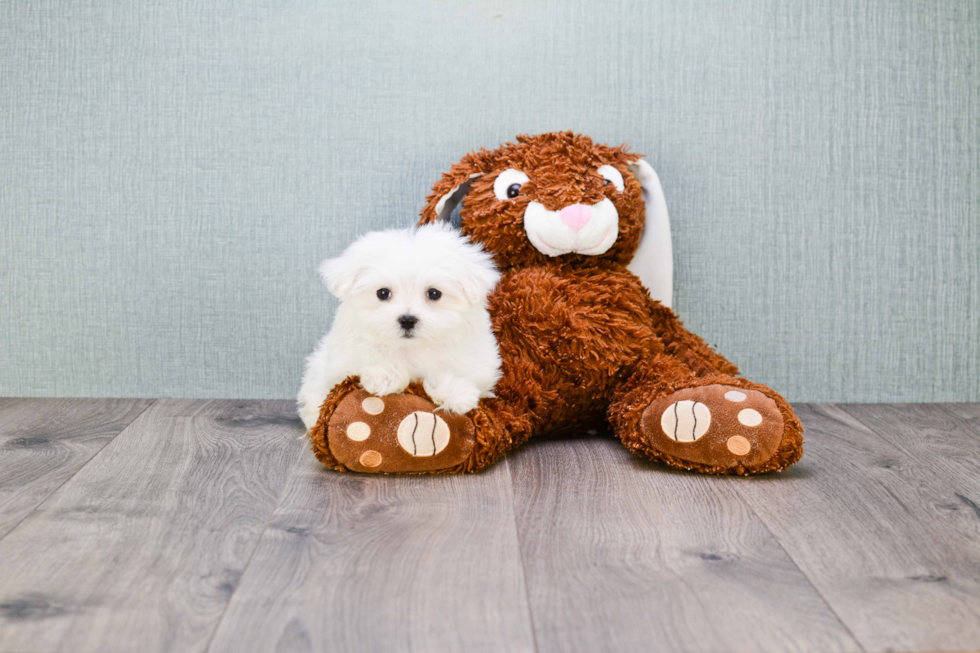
{"x":583,"y":343}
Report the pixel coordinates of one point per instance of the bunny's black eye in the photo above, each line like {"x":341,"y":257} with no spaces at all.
{"x":508,"y":184}
{"x":384,"y":294}
{"x":612,"y":176}
{"x":433,"y":293}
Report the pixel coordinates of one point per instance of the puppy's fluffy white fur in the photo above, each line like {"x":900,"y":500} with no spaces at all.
{"x":451,"y":347}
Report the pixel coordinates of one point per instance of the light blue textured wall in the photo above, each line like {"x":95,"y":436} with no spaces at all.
{"x":172,"y":172}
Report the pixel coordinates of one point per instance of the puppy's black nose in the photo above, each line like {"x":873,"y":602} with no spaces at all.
{"x":408,"y":322}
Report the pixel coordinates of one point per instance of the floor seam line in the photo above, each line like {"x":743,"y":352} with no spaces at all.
{"x":872,"y":430}
{"x":83,"y":466}
{"x":779,"y":543}
{"x":520,"y":555}
{"x":251,"y":555}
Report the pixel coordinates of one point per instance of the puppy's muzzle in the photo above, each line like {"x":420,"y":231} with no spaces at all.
{"x":407,"y":323}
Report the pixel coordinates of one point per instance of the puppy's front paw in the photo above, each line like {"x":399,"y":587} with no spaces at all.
{"x":452,"y":394}
{"x":381,"y":381}
{"x":308,"y":405}
{"x":309,"y":413}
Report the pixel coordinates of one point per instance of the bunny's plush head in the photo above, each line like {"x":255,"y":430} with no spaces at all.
{"x":559,"y":199}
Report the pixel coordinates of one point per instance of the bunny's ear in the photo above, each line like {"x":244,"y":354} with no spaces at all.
{"x":449,"y":191}
{"x":653,"y":261}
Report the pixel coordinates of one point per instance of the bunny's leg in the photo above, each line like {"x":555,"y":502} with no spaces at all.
{"x":709,"y":423}
{"x":685,"y":346}
{"x":407,"y":433}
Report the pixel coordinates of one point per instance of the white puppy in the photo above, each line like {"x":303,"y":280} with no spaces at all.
{"x":413,"y":306}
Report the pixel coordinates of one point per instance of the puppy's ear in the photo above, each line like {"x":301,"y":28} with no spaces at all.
{"x":449,"y":191}
{"x":479,"y":277}
{"x":340,"y":275}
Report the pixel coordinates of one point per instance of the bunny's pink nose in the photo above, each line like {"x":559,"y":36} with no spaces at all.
{"x":576,"y":216}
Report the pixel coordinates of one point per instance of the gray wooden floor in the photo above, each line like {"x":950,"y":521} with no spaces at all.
{"x":179,"y":525}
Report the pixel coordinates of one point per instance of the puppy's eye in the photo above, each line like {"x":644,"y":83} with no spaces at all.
{"x":433,"y":293}
{"x":612,"y":176}
{"x":508,"y":184}
{"x":384,"y":294}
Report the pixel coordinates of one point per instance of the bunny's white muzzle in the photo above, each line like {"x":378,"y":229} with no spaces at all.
{"x":578,"y":229}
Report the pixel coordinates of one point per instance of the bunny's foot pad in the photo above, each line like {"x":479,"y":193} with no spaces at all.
{"x":400,"y":433}
{"x":726,"y":428}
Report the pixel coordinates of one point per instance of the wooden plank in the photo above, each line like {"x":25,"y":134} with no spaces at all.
{"x":944,"y":438}
{"x":966,"y":411}
{"x":43,"y":442}
{"x":374,"y":563}
{"x":142,"y":548}
{"x":882,"y":531}
{"x":621,"y":554}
